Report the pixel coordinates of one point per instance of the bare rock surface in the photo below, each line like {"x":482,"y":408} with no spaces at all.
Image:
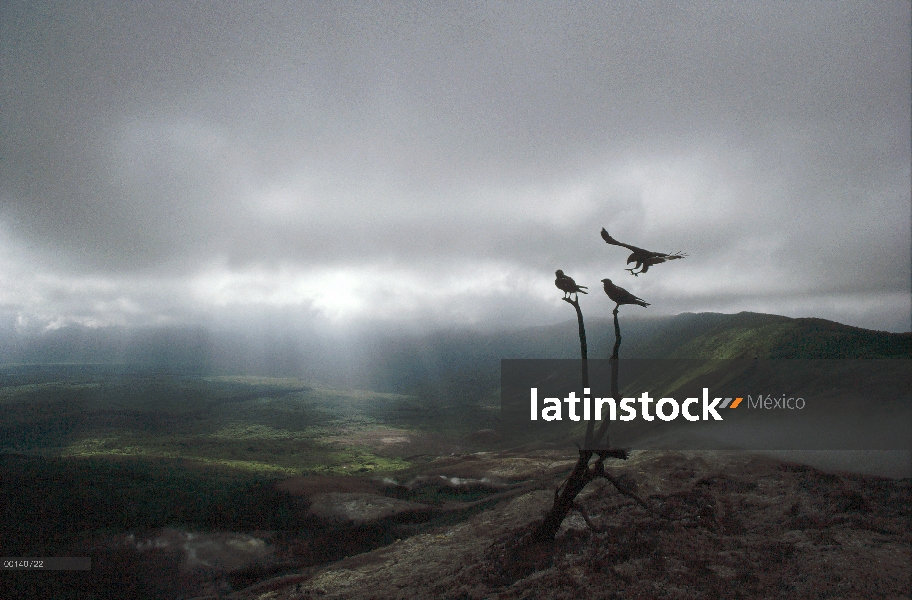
{"x":720,"y":524}
{"x":221,"y":552}
{"x":359,"y":507}
{"x":503,"y":467}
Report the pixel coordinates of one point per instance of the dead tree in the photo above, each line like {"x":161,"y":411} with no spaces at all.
{"x":583,"y":473}
{"x":593,"y":447}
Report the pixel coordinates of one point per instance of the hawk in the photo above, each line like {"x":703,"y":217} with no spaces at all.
{"x":620,"y":295}
{"x":643,"y":258}
{"x":566,"y":284}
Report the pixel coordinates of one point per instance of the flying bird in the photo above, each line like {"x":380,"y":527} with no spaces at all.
{"x":643,"y":258}
{"x":566,"y":284}
{"x":620,"y":295}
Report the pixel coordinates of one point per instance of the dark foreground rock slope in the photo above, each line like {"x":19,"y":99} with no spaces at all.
{"x":721,"y":524}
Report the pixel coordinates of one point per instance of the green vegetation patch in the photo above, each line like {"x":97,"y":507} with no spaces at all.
{"x":358,"y":461}
{"x":737,"y":342}
{"x":253,"y":448}
{"x":256,"y":425}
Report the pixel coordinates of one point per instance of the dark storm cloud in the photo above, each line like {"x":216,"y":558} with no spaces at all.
{"x":165,"y":161}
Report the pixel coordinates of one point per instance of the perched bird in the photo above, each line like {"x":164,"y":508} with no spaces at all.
{"x":566,"y":284}
{"x":620,"y":295}
{"x":643,"y":258}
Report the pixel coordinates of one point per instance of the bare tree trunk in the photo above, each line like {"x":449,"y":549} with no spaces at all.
{"x":603,"y":429}
{"x":582,"y":337}
{"x":582,"y":474}
{"x":564,"y":498}
{"x":584,"y":352}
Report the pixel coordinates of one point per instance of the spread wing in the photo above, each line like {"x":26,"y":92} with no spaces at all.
{"x":637,"y":252}
{"x":640,"y":254}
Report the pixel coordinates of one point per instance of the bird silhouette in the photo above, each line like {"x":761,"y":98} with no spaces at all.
{"x":566,"y":284}
{"x":643,"y":258}
{"x":620,"y":295}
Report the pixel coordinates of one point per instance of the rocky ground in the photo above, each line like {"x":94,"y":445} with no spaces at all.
{"x":447,"y":521}
{"x":720,"y":524}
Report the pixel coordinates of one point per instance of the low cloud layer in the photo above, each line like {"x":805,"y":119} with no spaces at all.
{"x":435,"y":164}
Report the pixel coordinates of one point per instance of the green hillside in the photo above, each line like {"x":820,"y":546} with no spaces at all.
{"x":465,"y":365}
{"x":755,"y":335}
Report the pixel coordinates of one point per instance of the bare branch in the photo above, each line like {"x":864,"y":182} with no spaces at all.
{"x":582,"y":511}
{"x":625,"y":490}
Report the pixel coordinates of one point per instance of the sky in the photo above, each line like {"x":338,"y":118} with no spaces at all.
{"x":422,"y":164}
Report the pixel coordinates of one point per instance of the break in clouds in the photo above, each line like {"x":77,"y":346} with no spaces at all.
{"x":343,"y":164}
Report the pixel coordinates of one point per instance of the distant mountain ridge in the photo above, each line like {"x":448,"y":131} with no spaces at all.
{"x":706,"y":335}
{"x":458,"y":363}
{"x":758,"y":335}
{"x":469,"y":361}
